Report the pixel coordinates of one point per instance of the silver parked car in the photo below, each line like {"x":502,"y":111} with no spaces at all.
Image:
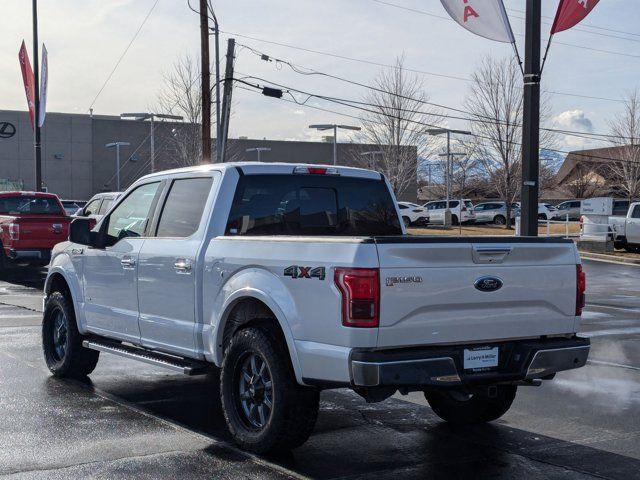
{"x":571,"y":207}
{"x":494,"y":212}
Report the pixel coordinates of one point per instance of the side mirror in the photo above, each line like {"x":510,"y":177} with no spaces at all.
{"x":80,"y":232}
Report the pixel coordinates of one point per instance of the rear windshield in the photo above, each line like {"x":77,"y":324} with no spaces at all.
{"x":312,"y":205}
{"x":27,"y":204}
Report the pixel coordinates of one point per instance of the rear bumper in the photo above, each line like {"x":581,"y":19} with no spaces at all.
{"x":38,"y":255}
{"x":443,"y":366}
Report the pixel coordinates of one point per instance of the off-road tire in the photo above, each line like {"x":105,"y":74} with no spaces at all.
{"x":76,"y":361}
{"x":479,"y":408}
{"x":294,"y":408}
{"x":406,"y":221}
{"x":454,"y":220}
{"x":499,"y":220}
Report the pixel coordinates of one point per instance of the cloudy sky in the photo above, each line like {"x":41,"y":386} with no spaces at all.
{"x":85,"y":38}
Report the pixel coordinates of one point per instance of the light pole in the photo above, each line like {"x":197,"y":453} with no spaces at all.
{"x":335,"y":128}
{"x":450,"y":157}
{"x":151,"y":117}
{"x":117,"y":145}
{"x":372,"y":156}
{"x":258,"y":150}
{"x":448,"y":132}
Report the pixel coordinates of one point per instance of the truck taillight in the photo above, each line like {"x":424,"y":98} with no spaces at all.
{"x":14,"y":231}
{"x":581,"y":288}
{"x":360,"y":288}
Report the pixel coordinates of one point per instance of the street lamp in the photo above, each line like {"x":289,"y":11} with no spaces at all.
{"x":448,"y":132}
{"x":258,"y":150}
{"x":461,"y":205}
{"x":151,"y":117}
{"x":372,"y":155}
{"x":117,"y":146}
{"x":335,"y":128}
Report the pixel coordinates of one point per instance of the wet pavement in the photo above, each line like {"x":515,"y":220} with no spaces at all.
{"x":133,"y":420}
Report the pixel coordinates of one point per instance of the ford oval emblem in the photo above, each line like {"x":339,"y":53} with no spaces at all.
{"x":488,"y":284}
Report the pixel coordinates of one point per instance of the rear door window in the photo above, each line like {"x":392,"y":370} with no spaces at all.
{"x":183,"y":207}
{"x":636,"y":212}
{"x":312,"y":205}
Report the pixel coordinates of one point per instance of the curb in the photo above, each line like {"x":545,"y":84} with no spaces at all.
{"x":610,"y":258}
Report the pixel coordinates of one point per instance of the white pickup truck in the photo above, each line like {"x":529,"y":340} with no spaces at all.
{"x":626,"y":230}
{"x":298,"y":278}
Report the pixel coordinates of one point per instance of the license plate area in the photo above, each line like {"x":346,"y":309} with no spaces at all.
{"x":480,"y":359}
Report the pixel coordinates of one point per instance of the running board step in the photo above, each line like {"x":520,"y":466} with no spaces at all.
{"x":177,"y":364}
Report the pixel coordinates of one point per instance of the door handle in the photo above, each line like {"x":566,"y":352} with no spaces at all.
{"x":183,"y":265}
{"x":128,"y":262}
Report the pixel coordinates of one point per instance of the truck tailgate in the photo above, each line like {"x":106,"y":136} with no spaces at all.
{"x":40,"y":231}
{"x":436,"y":291}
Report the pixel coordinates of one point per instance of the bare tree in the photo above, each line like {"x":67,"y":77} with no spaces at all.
{"x":181,"y":95}
{"x":495,"y":102}
{"x":397,"y":121}
{"x":625,"y":171}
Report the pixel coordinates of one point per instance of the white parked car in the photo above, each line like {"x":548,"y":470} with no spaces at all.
{"x":546,"y":211}
{"x":298,"y":278}
{"x":437,"y":208}
{"x":413,"y":214}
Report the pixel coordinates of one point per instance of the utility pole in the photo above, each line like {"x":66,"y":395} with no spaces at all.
{"x":37,"y":146}
{"x":206,"y":82}
{"x":226,"y":99}
{"x":448,"y":132}
{"x":531,"y":121}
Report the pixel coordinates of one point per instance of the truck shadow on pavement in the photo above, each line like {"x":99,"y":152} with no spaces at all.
{"x":357,"y":440}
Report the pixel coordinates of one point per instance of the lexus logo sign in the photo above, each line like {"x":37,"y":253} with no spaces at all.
{"x":7,"y":130}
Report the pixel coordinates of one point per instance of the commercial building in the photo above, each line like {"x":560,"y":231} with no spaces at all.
{"x":76,"y":164}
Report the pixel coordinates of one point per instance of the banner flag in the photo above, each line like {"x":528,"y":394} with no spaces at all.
{"x":570,"y":13}
{"x":487,"y":18}
{"x":28,"y":81}
{"x":44,"y":81}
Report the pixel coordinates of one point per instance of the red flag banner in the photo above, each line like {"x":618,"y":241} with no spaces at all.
{"x":29,"y":82}
{"x":570,"y":13}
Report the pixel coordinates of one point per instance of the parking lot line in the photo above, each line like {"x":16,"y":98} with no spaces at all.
{"x":612,"y":364}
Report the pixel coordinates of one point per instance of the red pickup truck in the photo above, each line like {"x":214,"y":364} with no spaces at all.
{"x":31,"y":223}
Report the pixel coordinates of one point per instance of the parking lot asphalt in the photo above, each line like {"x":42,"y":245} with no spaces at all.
{"x":133,"y":420}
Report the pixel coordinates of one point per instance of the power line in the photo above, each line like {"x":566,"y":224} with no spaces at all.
{"x":395,"y":67}
{"x":442,"y":17}
{"x":337,"y":101}
{"x":123,"y":54}
{"x":585,"y":25}
{"x":298,"y":69}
